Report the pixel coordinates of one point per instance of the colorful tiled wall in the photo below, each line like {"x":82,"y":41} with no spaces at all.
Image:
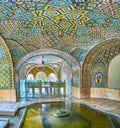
{"x":98,"y":75}
{"x":95,"y":71}
{"x":16,"y":50}
{"x":100,"y":56}
{"x":6,"y":67}
{"x":66,"y":25}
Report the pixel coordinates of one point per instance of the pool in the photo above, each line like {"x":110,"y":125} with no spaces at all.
{"x":40,"y":115}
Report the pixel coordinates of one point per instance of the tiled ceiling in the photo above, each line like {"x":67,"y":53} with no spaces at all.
{"x":72,"y":26}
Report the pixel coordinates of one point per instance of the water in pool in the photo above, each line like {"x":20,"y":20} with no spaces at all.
{"x":41,"y":115}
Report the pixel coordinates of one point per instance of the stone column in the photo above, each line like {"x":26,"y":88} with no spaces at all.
{"x":50,"y":87}
{"x":64,"y":86}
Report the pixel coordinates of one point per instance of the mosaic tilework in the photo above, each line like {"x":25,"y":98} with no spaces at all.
{"x":98,"y":75}
{"x":6,"y":73}
{"x":17,"y":51}
{"x":101,"y":54}
{"x":64,"y":25}
{"x":79,"y":54}
{"x":32,"y":5}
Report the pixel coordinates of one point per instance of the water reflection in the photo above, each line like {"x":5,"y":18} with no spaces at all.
{"x":80,"y":116}
{"x":43,"y":111}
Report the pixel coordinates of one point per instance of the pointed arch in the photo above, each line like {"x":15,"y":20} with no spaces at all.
{"x":6,"y":66}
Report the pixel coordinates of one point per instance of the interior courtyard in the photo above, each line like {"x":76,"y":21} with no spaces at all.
{"x":59,"y":56}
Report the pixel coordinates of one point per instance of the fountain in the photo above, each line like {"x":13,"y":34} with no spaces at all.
{"x":61,"y":113}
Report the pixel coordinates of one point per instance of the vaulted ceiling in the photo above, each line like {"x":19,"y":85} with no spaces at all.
{"x":72,"y":26}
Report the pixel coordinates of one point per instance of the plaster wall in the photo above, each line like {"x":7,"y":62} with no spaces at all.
{"x":114,"y":73}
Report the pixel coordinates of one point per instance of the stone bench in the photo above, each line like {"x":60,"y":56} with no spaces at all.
{"x":8,"y":109}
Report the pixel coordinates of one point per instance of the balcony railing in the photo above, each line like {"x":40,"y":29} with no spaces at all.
{"x":51,"y":88}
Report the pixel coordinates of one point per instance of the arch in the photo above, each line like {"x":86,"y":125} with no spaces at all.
{"x":75,"y":65}
{"x":6,"y":67}
{"x":71,"y":60}
{"x":114,"y":73}
{"x":100,"y":54}
{"x":30,"y":77}
{"x":41,"y":76}
{"x":43,"y":68}
{"x":52,"y":77}
{"x":16,"y":49}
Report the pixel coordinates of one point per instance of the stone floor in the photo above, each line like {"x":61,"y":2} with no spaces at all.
{"x":103,"y":104}
{"x":3,"y":122}
{"x":107,"y":106}
{"x":110,"y":106}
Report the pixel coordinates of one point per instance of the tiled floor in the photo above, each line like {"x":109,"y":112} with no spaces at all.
{"x":108,"y":106}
